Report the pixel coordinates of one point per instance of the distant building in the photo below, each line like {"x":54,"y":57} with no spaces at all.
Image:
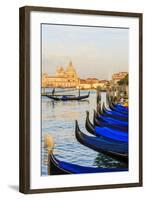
{"x":83,"y":84}
{"x":63,"y":78}
{"x":68,"y":78}
{"x":93,"y":83}
{"x":119,"y":90}
{"x":88,"y":83}
{"x":118,"y":76}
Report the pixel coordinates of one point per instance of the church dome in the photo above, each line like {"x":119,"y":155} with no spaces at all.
{"x":70,"y":67}
{"x":60,"y":71}
{"x":70,"y":71}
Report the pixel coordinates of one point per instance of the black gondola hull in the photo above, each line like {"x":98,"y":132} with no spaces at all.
{"x":74,"y":98}
{"x":118,"y":156}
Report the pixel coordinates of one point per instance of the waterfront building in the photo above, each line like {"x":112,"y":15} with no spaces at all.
{"x":88,"y":83}
{"x":68,"y":78}
{"x":64,"y":78}
{"x":119,"y":90}
{"x":93,"y":83}
{"x":118,"y":76}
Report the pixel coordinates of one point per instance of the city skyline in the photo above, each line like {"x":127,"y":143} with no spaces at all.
{"x":94,"y":51}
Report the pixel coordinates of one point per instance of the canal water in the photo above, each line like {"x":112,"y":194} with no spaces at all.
{"x":58,"y":120}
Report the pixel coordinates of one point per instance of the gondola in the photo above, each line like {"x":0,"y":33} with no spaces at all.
{"x":105,"y":132}
{"x":111,"y":113}
{"x":58,"y":167}
{"x":115,"y":105}
{"x":55,"y":168}
{"x":68,"y":98}
{"x":118,"y":108}
{"x":98,"y":122}
{"x":112,"y":149}
{"x":112,"y":120}
{"x":116,"y":112}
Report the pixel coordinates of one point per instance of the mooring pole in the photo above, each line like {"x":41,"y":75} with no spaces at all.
{"x":79,"y":91}
{"x":107,"y":97}
{"x":97,"y":95}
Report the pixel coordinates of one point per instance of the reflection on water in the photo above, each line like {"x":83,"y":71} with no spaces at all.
{"x":58,"y":120}
{"x":106,"y":161}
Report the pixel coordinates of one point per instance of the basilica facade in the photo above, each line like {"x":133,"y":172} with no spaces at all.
{"x":68,"y":78}
{"x":64,"y":78}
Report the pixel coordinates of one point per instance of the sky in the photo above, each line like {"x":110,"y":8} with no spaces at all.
{"x":94,"y":51}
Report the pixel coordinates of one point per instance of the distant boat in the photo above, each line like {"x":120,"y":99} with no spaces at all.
{"x":68,"y":98}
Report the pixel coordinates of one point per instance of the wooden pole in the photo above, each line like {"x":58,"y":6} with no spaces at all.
{"x":49,"y":144}
{"x":107,"y":97}
{"x":53,"y":91}
{"x":98,"y":98}
{"x":97,"y":95}
{"x":79,"y":91}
